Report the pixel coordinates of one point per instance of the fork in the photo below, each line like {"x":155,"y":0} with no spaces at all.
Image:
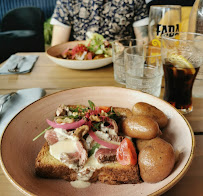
{"x":5,"y":98}
{"x":17,"y":66}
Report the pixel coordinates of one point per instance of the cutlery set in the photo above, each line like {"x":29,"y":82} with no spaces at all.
{"x":17,"y":66}
{"x":5,"y":98}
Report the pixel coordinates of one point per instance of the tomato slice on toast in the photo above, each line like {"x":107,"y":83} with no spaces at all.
{"x":126,"y":153}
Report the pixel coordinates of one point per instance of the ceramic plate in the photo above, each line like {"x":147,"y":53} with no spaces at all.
{"x":54,"y":51}
{"x":18,"y":151}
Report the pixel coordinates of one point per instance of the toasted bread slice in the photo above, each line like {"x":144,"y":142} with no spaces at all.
{"x":49,"y":167}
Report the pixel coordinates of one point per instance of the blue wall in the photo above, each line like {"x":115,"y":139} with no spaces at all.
{"x":46,"y":5}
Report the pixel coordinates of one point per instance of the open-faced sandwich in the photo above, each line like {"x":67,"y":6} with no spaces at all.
{"x":108,"y":144}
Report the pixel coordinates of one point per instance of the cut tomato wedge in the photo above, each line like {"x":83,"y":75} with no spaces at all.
{"x":79,"y":49}
{"x":126,"y":153}
{"x":105,"y":108}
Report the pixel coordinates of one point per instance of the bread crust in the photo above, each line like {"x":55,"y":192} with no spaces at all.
{"x":119,"y":174}
{"x":48,"y":167}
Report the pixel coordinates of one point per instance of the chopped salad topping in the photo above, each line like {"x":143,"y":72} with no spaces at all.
{"x":96,"y":47}
{"x":95,"y":127}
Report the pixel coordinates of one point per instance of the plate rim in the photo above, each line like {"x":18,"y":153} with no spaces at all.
{"x":158,"y":192}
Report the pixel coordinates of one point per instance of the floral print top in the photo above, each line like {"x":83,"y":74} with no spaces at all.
{"x":112,"y":18}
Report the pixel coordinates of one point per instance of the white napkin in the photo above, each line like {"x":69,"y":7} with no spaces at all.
{"x":26,"y":64}
{"x":17,"y":103}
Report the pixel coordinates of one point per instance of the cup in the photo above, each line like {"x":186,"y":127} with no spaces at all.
{"x":143,"y":71}
{"x":182,"y":56}
{"x":163,"y":19}
{"x":118,"y":57}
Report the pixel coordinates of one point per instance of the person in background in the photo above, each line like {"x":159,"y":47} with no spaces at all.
{"x":170,"y":2}
{"x":114,"y":19}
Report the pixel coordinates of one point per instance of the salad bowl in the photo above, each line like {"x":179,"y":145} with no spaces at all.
{"x":18,"y":151}
{"x":54,"y":52}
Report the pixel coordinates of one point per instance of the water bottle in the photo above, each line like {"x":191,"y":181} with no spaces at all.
{"x":196,"y":25}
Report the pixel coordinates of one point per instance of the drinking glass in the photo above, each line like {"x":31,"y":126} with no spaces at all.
{"x":182,"y":56}
{"x":118,"y":57}
{"x":163,"y":19}
{"x":143,"y":71}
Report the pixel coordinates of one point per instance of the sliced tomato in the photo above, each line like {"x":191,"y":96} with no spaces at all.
{"x":78,"y":49}
{"x":105,"y":108}
{"x":126,"y":153}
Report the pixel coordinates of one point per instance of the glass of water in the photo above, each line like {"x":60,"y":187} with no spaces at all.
{"x":144,"y":71}
{"x":118,"y":57}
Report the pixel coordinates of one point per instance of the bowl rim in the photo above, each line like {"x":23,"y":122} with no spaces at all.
{"x":158,"y":192}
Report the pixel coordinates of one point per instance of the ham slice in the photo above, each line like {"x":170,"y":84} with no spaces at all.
{"x":51,"y":137}
{"x":70,"y":158}
{"x":79,"y":157}
{"x":89,"y":56}
{"x":105,"y":155}
{"x":82,"y":152}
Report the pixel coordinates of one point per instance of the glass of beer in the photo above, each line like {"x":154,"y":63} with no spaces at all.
{"x":182,"y":56}
{"x":163,"y":19}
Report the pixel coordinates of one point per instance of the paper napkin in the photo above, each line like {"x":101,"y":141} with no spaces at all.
{"x":17,"y":103}
{"x":26,"y":64}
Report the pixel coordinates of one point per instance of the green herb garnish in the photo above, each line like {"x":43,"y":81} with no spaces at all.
{"x":41,"y":133}
{"x":78,"y":109}
{"x":74,"y":117}
{"x":84,"y":109}
{"x":72,"y":109}
{"x":113,"y":115}
{"x":92,"y":106}
{"x":91,"y":152}
{"x":96,"y":126}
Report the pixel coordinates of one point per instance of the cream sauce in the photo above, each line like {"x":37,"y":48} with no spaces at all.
{"x":107,"y":130}
{"x":105,"y":136}
{"x":67,"y":146}
{"x":62,"y":134}
{"x":80,"y":184}
{"x":89,"y":168}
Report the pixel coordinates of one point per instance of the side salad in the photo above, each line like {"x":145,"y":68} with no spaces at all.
{"x":95,"y":47}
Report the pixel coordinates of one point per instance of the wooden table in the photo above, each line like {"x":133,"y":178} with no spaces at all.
{"x":53,"y":78}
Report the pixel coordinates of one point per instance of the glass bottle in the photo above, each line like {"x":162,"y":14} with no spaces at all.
{"x":196,"y":26}
{"x":162,"y":19}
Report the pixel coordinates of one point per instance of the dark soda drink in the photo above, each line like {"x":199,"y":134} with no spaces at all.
{"x":178,"y":85}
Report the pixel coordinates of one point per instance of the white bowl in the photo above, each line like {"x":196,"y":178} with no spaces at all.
{"x":54,"y":51}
